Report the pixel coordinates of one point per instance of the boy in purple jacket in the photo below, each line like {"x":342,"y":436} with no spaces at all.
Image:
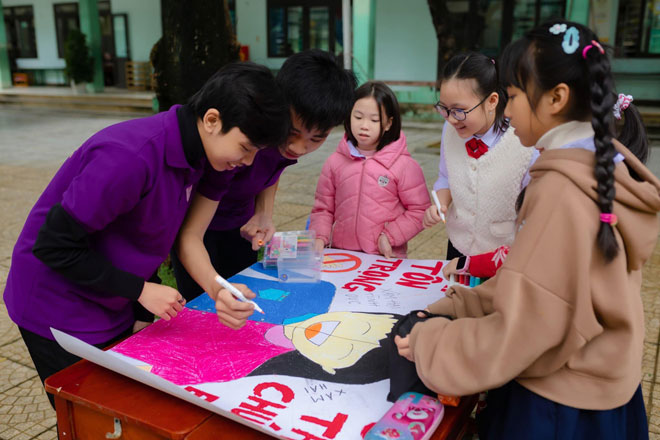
{"x":110,"y":215}
{"x":224,"y":239}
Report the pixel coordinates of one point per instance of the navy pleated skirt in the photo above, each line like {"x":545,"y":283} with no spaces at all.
{"x":513,"y":412}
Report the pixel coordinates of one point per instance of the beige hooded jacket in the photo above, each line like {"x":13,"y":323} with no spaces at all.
{"x":556,"y":317}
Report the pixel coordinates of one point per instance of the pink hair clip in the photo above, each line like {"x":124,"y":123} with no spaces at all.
{"x":622,"y":103}
{"x":595,"y":44}
{"x":609,"y":218}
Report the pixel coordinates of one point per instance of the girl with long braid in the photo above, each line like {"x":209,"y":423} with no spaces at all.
{"x":557,"y":334}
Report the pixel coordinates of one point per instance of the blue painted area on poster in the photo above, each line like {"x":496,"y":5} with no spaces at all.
{"x":203,"y":303}
{"x":258,"y":267}
{"x":300,"y":318}
{"x":294,"y":299}
{"x":273,"y":294}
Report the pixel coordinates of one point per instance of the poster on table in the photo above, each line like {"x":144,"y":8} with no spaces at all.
{"x":314,"y":366}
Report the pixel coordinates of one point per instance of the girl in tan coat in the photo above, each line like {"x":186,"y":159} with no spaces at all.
{"x":557,"y":335}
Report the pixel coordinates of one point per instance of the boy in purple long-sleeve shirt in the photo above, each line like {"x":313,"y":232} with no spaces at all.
{"x":225,"y":238}
{"x":110,"y":215}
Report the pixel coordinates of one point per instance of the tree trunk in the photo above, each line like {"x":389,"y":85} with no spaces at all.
{"x":197,"y":40}
{"x":443,"y":30}
{"x":456,"y":32}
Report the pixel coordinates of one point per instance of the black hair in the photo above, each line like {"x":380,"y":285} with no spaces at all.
{"x":631,"y":132}
{"x":387,"y":104}
{"x":482,"y":69}
{"x":246,"y":96}
{"x":318,"y":89}
{"x":558,"y":52}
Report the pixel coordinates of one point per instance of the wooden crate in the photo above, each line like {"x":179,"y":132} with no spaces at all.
{"x":138,"y":75}
{"x":20,"y":79}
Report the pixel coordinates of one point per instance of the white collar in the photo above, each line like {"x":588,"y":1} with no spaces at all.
{"x":563,"y":134}
{"x":489,"y":138}
{"x":574,"y":134}
{"x":353,"y":150}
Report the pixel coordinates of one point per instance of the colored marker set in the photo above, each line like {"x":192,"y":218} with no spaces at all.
{"x":466,"y":280}
{"x":293,"y":253}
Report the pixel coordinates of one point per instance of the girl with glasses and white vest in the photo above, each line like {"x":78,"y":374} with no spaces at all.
{"x":482,"y":163}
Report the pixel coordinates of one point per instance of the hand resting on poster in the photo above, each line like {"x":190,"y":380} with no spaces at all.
{"x":403,"y":344}
{"x":384,"y":246}
{"x":163,"y":301}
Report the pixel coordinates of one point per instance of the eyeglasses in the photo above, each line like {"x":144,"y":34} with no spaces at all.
{"x":457,"y":113}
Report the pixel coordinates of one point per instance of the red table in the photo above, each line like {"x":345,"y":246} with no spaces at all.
{"x":93,"y":402}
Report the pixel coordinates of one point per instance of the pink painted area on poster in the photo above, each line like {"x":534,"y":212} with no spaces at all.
{"x":194,"y":347}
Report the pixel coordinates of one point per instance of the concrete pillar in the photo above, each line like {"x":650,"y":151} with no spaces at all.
{"x":5,"y":70}
{"x":364,"y":39}
{"x":91,"y":27}
{"x":347,"y":32}
{"x":578,"y":11}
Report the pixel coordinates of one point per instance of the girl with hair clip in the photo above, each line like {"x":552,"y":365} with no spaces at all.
{"x":482,"y":163}
{"x":557,"y":334}
{"x":631,"y":131}
{"x":371,"y":194}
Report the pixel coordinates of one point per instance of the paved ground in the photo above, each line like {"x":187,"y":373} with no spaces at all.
{"x":33,"y":144}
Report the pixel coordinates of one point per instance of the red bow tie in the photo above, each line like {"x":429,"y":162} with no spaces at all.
{"x":476,"y":148}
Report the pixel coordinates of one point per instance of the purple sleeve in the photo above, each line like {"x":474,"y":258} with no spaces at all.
{"x":63,"y":245}
{"x":111,"y":182}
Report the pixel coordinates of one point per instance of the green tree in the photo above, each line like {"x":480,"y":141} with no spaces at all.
{"x":79,"y":63}
{"x":197,"y":40}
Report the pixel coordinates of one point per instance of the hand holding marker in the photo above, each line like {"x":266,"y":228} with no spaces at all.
{"x":438,"y":205}
{"x":237,"y":293}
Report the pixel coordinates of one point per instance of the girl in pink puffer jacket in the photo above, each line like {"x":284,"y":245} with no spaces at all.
{"x":371,"y":195}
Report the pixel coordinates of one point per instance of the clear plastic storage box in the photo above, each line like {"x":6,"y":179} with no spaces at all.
{"x":292,"y":252}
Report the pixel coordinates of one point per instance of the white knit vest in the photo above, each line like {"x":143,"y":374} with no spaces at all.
{"x":482,"y":214}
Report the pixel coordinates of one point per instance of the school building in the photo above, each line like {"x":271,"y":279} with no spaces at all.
{"x":390,"y":40}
